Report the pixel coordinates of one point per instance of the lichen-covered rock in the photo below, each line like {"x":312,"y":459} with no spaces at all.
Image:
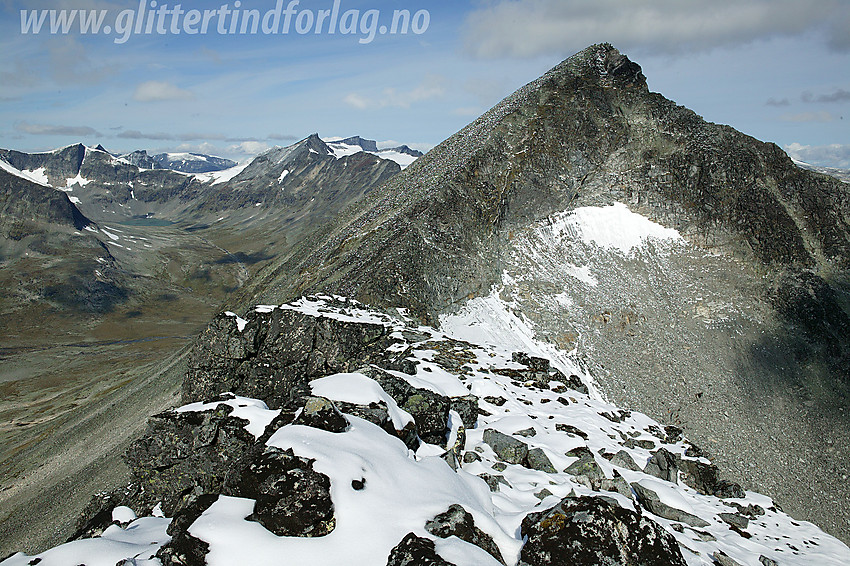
{"x":378,"y":413}
{"x":183,"y":451}
{"x":587,"y":467}
{"x":457,"y":521}
{"x":292,"y":499}
{"x":624,"y":460}
{"x":321,"y":413}
{"x":507,"y":448}
{"x":415,"y":551}
{"x":277,"y":353}
{"x":591,"y":530}
{"x":184,"y":549}
{"x":537,"y":460}
{"x":467,"y":408}
{"x":430,"y":410}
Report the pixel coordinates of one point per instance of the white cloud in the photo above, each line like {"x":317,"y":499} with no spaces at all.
{"x":249,"y":147}
{"x":357,"y":101}
{"x":527,"y":28}
{"x":151,"y":91}
{"x":237,"y":151}
{"x":834,"y":155}
{"x":433,"y":86}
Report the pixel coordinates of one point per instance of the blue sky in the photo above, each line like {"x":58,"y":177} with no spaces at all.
{"x":778,"y":70}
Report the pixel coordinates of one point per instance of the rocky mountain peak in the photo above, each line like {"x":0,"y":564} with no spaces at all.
{"x":607,"y":63}
{"x":315,"y":143}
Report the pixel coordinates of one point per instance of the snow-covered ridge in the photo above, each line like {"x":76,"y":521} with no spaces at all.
{"x":36,"y":176}
{"x":382,"y":490}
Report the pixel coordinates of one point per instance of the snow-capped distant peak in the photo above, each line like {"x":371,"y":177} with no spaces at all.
{"x":343,"y":147}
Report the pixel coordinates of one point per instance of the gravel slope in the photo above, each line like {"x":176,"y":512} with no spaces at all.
{"x":81,"y":457}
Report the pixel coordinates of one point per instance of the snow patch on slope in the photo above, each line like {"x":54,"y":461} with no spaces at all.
{"x":78,"y":180}
{"x":255,"y":412}
{"x":32,"y":176}
{"x":218,"y":177}
{"x":611,"y":227}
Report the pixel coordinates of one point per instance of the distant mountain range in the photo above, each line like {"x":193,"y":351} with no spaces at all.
{"x":183,"y":162}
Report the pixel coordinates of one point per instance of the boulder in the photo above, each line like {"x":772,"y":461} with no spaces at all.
{"x":379,"y":414}
{"x":652,"y":503}
{"x":703,"y":478}
{"x":723,"y":559}
{"x":734,"y":520}
{"x":591,"y":530}
{"x":536,"y":459}
{"x":457,"y":521}
{"x":663,"y":466}
{"x":181,"y":452}
{"x":430,"y":410}
{"x":184,"y":549}
{"x":415,"y":551}
{"x":587,"y":467}
{"x":321,"y":413}
{"x":507,"y":448}
{"x":467,"y":408}
{"x":292,"y":499}
{"x":570,"y":429}
{"x":624,"y":460}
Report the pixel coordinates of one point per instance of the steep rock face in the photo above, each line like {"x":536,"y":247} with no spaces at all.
{"x":747,"y":319}
{"x":61,"y":164}
{"x":102,"y":182}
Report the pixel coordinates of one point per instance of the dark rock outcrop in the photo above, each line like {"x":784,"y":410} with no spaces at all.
{"x":184,"y":549}
{"x":507,"y":448}
{"x":415,"y":551}
{"x":277,"y":354}
{"x":182,"y":453}
{"x":663,"y":465}
{"x":292,"y":499}
{"x":591,"y":530}
{"x":704,"y":478}
{"x":321,"y":413}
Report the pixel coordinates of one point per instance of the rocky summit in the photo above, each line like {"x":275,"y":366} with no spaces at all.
{"x":590,"y":328}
